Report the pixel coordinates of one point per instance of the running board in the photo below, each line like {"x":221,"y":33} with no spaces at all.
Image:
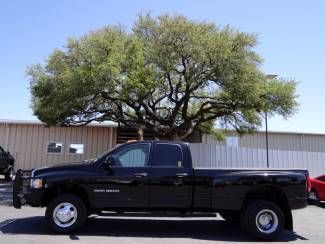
{"x":156,"y":214}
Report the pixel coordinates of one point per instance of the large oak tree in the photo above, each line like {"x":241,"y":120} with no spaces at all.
{"x":168,"y":74}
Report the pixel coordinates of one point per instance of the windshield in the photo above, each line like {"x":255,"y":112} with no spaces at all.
{"x":100,"y":156}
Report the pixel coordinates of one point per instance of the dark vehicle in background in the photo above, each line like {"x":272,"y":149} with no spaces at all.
{"x":150,"y":176}
{"x":6,"y":164}
{"x":317,"y":192}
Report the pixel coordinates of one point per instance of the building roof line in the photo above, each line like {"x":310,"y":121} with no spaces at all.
{"x":38,"y":122}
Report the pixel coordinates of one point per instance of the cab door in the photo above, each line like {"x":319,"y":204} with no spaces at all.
{"x":171,"y":180}
{"x":125,"y":184}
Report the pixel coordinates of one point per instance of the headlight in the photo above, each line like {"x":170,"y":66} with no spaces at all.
{"x":37,"y":183}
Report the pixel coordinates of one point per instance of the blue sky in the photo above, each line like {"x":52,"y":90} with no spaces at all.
{"x":291,"y":41}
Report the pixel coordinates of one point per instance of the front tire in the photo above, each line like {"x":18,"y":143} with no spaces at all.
{"x":263,"y":220}
{"x":66,"y":213}
{"x":9,"y":174}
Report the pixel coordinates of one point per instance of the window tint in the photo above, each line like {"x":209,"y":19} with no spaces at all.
{"x":76,"y":148}
{"x":133,"y":156}
{"x":168,"y":155}
{"x":54,"y":147}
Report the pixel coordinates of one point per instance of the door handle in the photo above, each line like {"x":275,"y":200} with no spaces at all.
{"x":181,"y":175}
{"x":140,"y":175}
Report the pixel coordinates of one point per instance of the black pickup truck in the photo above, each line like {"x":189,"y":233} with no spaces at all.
{"x":151,"y":176}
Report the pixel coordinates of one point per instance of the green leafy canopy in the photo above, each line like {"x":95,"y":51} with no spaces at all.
{"x":168,"y":74}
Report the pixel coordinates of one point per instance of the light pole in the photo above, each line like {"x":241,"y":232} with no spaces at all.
{"x":268,"y":77}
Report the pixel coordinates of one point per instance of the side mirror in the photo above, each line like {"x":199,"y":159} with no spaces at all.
{"x":110,"y":161}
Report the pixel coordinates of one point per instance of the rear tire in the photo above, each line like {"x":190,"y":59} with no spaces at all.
{"x":263,"y":220}
{"x":66,"y":213}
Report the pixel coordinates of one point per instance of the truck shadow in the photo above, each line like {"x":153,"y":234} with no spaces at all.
{"x":146,"y":228}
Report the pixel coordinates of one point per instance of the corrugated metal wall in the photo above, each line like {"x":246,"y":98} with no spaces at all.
{"x":215,"y":156}
{"x":278,"y":141}
{"x":28,"y":143}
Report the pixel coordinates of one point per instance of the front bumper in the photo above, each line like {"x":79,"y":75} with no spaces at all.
{"x":23,"y":193}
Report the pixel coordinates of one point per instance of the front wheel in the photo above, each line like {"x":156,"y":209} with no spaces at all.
{"x":263,"y":219}
{"x":9,"y":174}
{"x":66,"y":213}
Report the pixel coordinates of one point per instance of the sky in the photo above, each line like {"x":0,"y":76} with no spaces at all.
{"x":291,"y":38}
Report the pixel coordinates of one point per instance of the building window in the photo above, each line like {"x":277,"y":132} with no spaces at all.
{"x":232,"y":141}
{"x":54,"y":147}
{"x":76,"y":148}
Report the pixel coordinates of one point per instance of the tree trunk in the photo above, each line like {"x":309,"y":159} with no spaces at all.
{"x":140,"y":133}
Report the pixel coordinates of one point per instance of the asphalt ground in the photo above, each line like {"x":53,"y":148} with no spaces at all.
{"x":27,"y":225}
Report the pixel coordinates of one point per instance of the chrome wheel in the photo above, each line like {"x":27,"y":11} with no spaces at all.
{"x":65,"y":215}
{"x":267,"y":221}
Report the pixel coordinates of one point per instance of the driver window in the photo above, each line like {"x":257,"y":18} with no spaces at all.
{"x":133,"y":156}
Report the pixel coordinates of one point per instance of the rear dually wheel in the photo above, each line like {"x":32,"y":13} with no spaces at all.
{"x":263,"y":220}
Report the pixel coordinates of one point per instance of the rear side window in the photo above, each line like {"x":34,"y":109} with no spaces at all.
{"x":168,"y":155}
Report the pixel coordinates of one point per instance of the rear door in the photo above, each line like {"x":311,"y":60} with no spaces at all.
{"x":170,"y":177}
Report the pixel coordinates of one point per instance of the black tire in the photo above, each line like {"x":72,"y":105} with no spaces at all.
{"x":9,"y":174}
{"x":263,"y":211}
{"x":231,"y":217}
{"x":77,"y":208}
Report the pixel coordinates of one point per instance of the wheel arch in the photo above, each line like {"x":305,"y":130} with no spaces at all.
{"x":275,"y":195}
{"x":71,"y":188}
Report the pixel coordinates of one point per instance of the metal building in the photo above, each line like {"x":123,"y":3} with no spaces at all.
{"x":285,"y":141}
{"x":33,"y":145}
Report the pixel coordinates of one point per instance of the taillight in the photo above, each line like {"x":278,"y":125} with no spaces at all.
{"x":308,"y":184}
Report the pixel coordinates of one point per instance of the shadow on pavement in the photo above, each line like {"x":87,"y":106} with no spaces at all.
{"x":148,"y":228}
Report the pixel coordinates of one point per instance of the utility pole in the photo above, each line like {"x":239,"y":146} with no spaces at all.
{"x":269,"y":77}
{"x":266,"y":141}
